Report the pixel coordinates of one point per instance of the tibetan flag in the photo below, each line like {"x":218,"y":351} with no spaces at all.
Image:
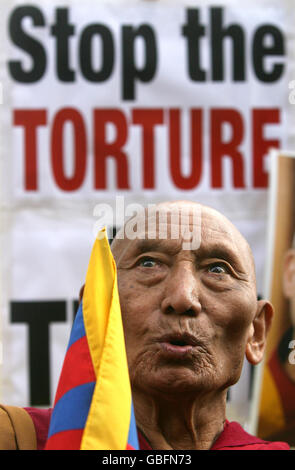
{"x":93,"y":404}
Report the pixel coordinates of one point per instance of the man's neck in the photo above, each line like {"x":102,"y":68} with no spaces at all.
{"x":189,"y":424}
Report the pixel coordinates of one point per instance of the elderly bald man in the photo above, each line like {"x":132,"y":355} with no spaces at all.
{"x":190,"y":314}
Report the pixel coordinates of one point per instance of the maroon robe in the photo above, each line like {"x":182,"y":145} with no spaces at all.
{"x":233,"y":436}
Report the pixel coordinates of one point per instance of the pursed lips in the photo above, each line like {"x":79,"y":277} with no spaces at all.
{"x":178,"y":344}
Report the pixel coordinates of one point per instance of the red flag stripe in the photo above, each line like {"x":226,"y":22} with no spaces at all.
{"x":70,"y":440}
{"x":72,"y":376}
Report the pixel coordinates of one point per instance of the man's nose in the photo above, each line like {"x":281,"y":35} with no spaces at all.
{"x":182,"y":292}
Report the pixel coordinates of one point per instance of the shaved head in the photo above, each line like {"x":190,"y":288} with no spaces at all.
{"x":152,"y":226}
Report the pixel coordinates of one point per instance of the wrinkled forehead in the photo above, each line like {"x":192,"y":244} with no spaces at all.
{"x":190,"y":226}
{"x":214,"y":226}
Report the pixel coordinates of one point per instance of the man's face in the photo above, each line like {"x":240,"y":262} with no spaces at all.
{"x":187,"y":314}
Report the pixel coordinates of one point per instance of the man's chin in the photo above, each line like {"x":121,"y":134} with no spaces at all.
{"x":176,"y":380}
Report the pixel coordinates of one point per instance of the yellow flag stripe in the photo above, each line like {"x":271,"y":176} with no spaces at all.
{"x":97,"y":296}
{"x":108,"y":420}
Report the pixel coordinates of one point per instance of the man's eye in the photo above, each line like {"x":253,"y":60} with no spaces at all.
{"x":218,"y":268}
{"x":147,"y":263}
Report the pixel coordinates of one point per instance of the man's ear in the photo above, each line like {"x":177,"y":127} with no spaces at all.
{"x":289,"y":273}
{"x":259,"y":329}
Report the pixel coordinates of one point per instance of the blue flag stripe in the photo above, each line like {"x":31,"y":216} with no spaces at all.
{"x":78,"y":329}
{"x":71,"y":411}
{"x":132,"y":436}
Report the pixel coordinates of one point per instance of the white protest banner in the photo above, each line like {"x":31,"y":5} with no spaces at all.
{"x":148,"y":101}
